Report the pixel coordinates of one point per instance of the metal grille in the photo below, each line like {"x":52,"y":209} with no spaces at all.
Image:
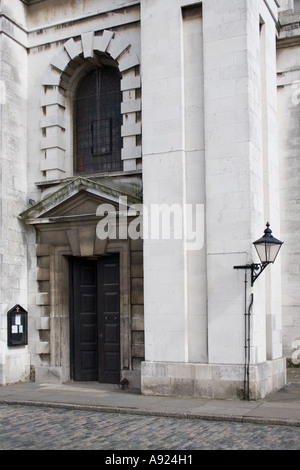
{"x":101,"y":137}
{"x":98,"y":122}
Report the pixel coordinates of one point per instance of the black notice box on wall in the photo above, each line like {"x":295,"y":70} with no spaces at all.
{"x":17,"y":326}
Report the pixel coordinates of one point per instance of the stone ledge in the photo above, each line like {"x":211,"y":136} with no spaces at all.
{"x":42,"y":347}
{"x":209,"y":380}
{"x":42,"y":323}
{"x":43,"y":298}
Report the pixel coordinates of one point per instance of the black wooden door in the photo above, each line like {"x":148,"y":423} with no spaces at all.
{"x":95,"y":319}
{"x":109,"y":320}
{"x":85,"y":320}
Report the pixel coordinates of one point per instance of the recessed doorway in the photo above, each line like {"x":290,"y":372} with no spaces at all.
{"x":95,"y":319}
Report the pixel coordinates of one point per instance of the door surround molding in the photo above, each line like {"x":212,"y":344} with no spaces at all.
{"x":66,"y":222}
{"x":59,"y":367}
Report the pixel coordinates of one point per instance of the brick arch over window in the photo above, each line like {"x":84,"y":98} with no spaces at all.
{"x":56,"y":81}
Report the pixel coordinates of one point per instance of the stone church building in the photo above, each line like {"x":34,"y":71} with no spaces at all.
{"x":145,"y":144}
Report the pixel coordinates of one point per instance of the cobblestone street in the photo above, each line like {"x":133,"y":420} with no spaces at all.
{"x":34,"y":428}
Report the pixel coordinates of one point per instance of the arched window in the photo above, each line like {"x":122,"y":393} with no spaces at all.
{"x":98,"y":123}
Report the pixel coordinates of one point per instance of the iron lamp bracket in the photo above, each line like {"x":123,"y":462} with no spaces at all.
{"x":256,"y":269}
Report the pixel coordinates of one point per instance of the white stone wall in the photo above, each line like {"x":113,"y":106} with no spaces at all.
{"x":286,"y":5}
{"x":14,"y":361}
{"x":271,"y":206}
{"x":242,"y":177}
{"x":173,"y":173}
{"x":194,"y":141}
{"x":233,"y":152}
{"x":228,"y":152}
{"x":288,"y":60}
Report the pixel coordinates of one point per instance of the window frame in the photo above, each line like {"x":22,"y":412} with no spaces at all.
{"x":110,"y":161}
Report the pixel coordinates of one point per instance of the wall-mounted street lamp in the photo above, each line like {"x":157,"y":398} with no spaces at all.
{"x":267,"y":248}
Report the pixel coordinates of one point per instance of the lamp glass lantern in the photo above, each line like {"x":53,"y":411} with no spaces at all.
{"x":267,"y":246}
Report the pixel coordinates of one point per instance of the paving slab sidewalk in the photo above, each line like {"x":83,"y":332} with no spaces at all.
{"x":281,"y":407}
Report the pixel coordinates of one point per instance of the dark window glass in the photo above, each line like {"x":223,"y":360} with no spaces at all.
{"x":98,"y":122}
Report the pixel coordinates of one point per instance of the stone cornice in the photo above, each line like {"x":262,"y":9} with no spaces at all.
{"x":289,"y":34}
{"x":288,"y":41}
{"x":54,"y":32}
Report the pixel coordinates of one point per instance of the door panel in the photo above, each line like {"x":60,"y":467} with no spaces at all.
{"x":109,"y":351}
{"x":96,"y":319}
{"x":85,"y":320}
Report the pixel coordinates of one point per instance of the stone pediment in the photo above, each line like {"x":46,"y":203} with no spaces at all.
{"x":79,"y":198}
